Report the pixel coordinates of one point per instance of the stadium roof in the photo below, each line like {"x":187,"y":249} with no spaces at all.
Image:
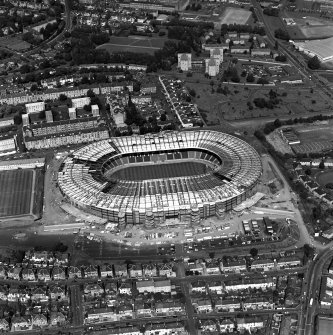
{"x":237,"y":167}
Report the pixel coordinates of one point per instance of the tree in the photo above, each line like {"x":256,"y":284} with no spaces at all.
{"x":254,"y":252}
{"x":34,"y":87}
{"x":260,"y":102}
{"x":314,"y":63}
{"x":85,"y":80}
{"x":163,"y":117}
{"x":316,"y":212}
{"x":17,"y":119}
{"x":281,"y":58}
{"x":322,"y":165}
{"x":62,"y":97}
{"x":308,"y":171}
{"x":41,"y":115}
{"x":60,"y":247}
{"x":250,"y":78}
{"x":192,"y":92}
{"x":308,"y":251}
{"x":262,"y":81}
{"x":90,"y":93}
{"x":277,"y":123}
{"x":271,"y":11}
{"x":281,"y":34}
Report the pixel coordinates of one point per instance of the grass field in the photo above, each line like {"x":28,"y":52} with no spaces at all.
{"x":309,"y":27}
{"x":16,"y":190}
{"x":22,"y":193}
{"x":140,"y":44}
{"x":325,"y":325}
{"x":14,"y":43}
{"x":328,"y":76}
{"x":295,"y":101}
{"x":235,"y":15}
{"x":160,"y":171}
{"x":314,"y":138}
{"x":319,"y":133}
{"x":325,"y":177}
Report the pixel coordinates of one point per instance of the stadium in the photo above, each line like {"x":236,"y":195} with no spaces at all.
{"x":147,"y":179}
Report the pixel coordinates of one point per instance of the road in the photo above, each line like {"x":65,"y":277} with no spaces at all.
{"x":313,"y":279}
{"x":76,"y":305}
{"x":68,"y":27}
{"x":288,"y":196}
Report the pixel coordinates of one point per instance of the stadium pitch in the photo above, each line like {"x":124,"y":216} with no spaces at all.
{"x":170,"y":170}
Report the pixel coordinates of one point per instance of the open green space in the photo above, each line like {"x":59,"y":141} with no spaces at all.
{"x":236,"y":102}
{"x":16,"y":191}
{"x":313,"y":134}
{"x":325,"y":177}
{"x":309,"y":27}
{"x":137,"y":44}
{"x":325,"y":325}
{"x":233,"y":15}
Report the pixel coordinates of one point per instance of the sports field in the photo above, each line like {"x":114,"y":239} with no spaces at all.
{"x":314,"y":139}
{"x":325,"y":177}
{"x":308,"y":27}
{"x":157,"y":171}
{"x":14,"y":43}
{"x":235,"y":15}
{"x":16,"y":191}
{"x":139,"y":44}
{"x":325,"y":325}
{"x":315,"y":133}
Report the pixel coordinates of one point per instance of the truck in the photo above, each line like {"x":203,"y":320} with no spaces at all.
{"x":311,"y":302}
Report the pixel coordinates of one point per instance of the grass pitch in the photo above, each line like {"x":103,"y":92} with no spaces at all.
{"x":235,"y":15}
{"x":157,"y":171}
{"x":325,"y":325}
{"x":137,"y":44}
{"x":16,"y":192}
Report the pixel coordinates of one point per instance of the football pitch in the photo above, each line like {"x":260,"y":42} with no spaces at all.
{"x":137,"y":44}
{"x":233,"y":15}
{"x":16,"y":192}
{"x":157,"y":171}
{"x":325,"y":325}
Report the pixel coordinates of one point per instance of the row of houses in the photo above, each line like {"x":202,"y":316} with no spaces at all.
{"x":222,"y":326}
{"x":8,"y":144}
{"x":128,"y":300}
{"x":219,"y":305}
{"x":34,"y":322}
{"x":40,"y":294}
{"x":65,"y":139}
{"x":215,"y":267}
{"x":31,"y":271}
{"x":161,"y":328}
{"x":219,"y":287}
{"x":311,"y":185}
{"x":230,"y":326}
{"x":125,"y":287}
{"x":187,"y":113}
{"x":74,"y":92}
{"x":125,"y":309}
